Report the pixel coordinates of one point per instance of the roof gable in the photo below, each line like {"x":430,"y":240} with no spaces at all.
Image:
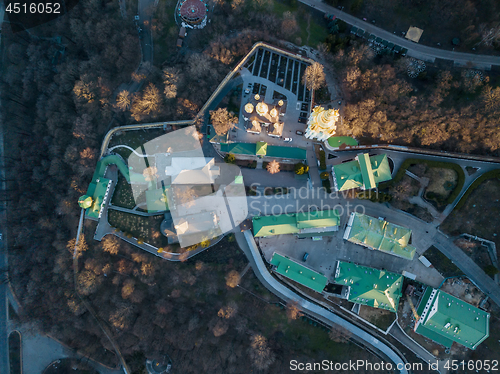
{"x":448,"y":318}
{"x":299,"y":273}
{"x":368,"y":286}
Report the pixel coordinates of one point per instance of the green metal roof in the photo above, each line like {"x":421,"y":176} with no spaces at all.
{"x":286,"y":152}
{"x":239,"y":148}
{"x":378,"y":234}
{"x":85,"y":201}
{"x":299,"y":273}
{"x":98,"y":185}
{"x":368,"y":286}
{"x":447,"y":319}
{"x":319,"y":223}
{"x":337,"y":141}
{"x":100,"y":191}
{"x":261,"y":148}
{"x":274,"y":225}
{"x":320,"y":218}
{"x":365,"y":172}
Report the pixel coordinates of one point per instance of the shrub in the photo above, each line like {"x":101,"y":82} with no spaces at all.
{"x":490,"y":270}
{"x":356,"y":6}
{"x":140,"y":241}
{"x":230,"y":158}
{"x":264,"y":164}
{"x":326,"y":184}
{"x":253,"y":165}
{"x":301,"y":168}
{"x":322,"y":160}
{"x":324,"y":175}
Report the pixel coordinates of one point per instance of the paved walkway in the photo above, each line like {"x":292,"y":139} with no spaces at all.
{"x":262,"y":178}
{"x":313,"y":168}
{"x":419,"y":51}
{"x":39,"y":350}
{"x":468,"y":266}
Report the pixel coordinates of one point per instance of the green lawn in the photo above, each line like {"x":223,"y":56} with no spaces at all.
{"x":146,"y":228}
{"x":442,"y":263}
{"x":134,"y":139}
{"x":123,"y":195}
{"x":317,"y":28}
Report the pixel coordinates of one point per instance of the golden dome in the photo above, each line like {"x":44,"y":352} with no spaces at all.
{"x":249,"y":107}
{"x":281,"y":102}
{"x":323,"y":122}
{"x":261,"y":108}
{"x":257,"y":97}
{"x":273,"y":112}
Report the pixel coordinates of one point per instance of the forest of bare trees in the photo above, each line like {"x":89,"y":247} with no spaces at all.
{"x":454,"y":110}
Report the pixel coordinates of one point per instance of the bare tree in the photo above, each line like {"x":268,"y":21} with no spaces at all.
{"x":150,"y":173}
{"x":273,"y":167}
{"x":123,"y":100}
{"x":491,"y":98}
{"x":149,"y":103}
{"x":128,"y":288}
{"x":289,"y":25}
{"x":489,"y":35}
{"x":233,"y":278}
{"x":314,"y":77}
{"x":171,"y":79}
{"x":220,"y":328}
{"x":222,"y":120}
{"x":339,"y":334}
{"x":260,"y":353}
{"x":81,"y":247}
{"x":292,"y":311}
{"x":228,"y":311}
{"x":110,"y":244}
{"x":87,"y":282}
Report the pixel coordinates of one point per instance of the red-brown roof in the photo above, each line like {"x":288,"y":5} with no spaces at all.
{"x":193,"y":10}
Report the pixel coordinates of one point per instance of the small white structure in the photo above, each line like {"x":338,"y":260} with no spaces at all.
{"x":322,"y":123}
{"x":425,"y":261}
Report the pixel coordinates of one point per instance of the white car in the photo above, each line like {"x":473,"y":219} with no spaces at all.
{"x":288,"y":140}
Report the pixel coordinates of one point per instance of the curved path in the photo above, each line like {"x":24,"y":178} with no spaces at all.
{"x":247,"y":244}
{"x":139,"y":126}
{"x":419,"y":51}
{"x":130,"y":149}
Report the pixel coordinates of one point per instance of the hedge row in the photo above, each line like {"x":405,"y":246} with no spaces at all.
{"x":322,"y":160}
{"x":433,"y":164}
{"x":488,"y":175}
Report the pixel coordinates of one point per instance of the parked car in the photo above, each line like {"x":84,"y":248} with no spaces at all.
{"x":298,"y":132}
{"x":304,"y":258}
{"x":288,"y":140}
{"x":247,"y":91}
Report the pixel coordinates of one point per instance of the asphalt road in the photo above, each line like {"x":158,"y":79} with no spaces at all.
{"x":419,"y":51}
{"x":146,"y":9}
{"x":469,"y":267}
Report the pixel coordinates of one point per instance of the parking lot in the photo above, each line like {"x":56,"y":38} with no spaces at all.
{"x":324,"y":253}
{"x":275,"y":76}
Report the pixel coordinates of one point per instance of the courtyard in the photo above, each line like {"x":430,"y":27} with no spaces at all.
{"x":324,"y":253}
